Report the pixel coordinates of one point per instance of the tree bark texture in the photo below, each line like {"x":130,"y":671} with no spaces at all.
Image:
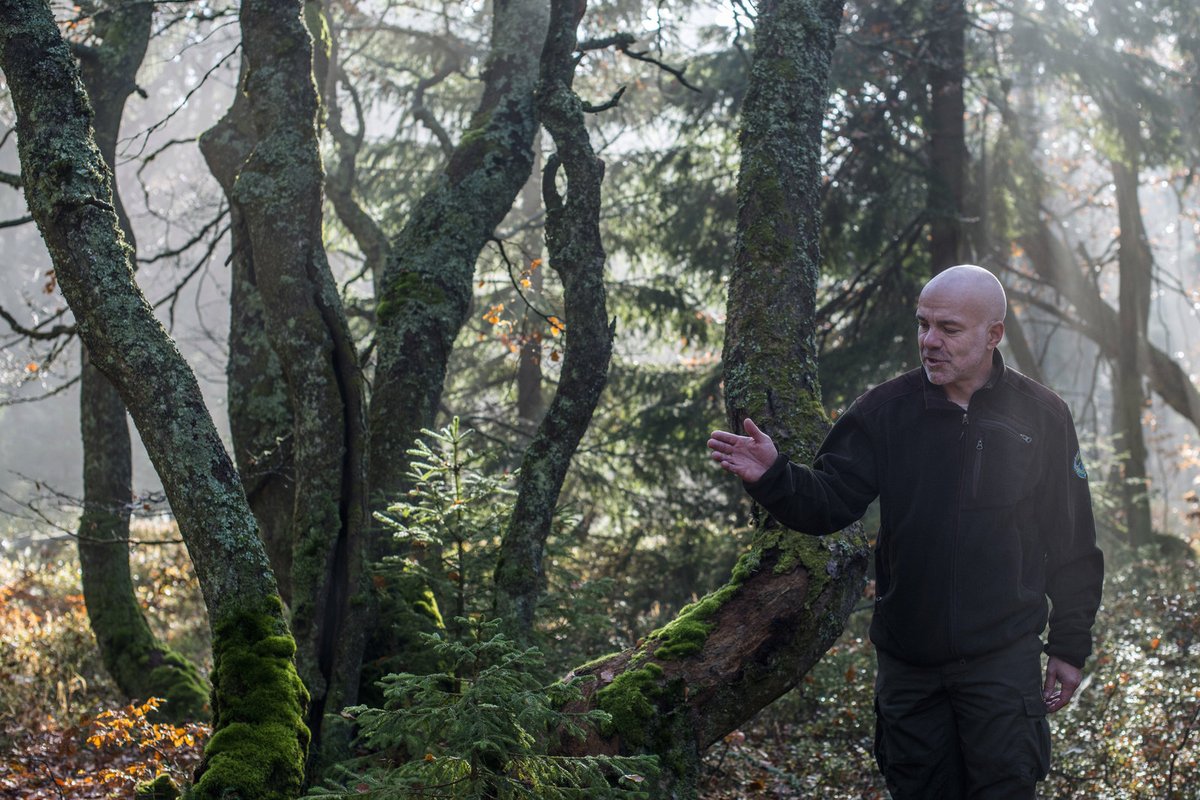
{"x":257,"y":749}
{"x":577,"y":256}
{"x":427,"y":282}
{"x":724,"y":658}
{"x":278,"y":190}
{"x":260,"y":414}
{"x":947,"y":145}
{"x":139,"y":664}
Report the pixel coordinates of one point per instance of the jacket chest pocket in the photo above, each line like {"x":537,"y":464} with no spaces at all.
{"x":1002,"y":463}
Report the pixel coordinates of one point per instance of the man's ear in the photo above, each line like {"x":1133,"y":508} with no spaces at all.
{"x":995,"y":333}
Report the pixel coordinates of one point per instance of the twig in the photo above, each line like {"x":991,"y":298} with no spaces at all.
{"x":34,"y":333}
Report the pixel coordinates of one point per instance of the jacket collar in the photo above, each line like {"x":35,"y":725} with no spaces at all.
{"x":935,"y":396}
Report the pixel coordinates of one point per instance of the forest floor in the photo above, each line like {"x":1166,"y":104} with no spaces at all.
{"x":1133,"y":731}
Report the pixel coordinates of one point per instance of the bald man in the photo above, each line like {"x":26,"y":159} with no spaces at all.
{"x":986,"y":533}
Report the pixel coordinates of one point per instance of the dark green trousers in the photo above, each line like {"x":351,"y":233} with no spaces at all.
{"x":973,"y":729}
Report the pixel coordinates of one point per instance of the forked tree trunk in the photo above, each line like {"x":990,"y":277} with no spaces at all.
{"x":260,"y":414}
{"x":259,"y":741}
{"x":279,"y":192}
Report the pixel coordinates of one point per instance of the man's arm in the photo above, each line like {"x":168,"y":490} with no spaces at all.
{"x":822,"y":499}
{"x":1074,"y":564}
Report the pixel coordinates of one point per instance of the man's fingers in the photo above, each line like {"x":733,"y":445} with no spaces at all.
{"x":752,"y":430}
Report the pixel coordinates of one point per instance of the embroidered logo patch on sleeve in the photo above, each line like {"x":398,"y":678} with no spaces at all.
{"x":1078,"y":465}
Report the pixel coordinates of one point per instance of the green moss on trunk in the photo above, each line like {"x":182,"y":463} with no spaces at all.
{"x":261,"y":743}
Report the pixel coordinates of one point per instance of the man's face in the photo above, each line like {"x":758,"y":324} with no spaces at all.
{"x":956,"y":341}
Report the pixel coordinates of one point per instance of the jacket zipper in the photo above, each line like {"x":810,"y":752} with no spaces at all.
{"x":978,"y":468}
{"x":962,"y":437}
{"x":992,"y":423}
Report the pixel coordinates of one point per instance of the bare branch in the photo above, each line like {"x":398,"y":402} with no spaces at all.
{"x":610,"y":103}
{"x":145,"y":134}
{"x":34,"y":333}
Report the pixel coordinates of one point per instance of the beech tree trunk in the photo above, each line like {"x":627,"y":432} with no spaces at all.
{"x":258,"y":746}
{"x":260,"y":415}
{"x":724,"y":658}
{"x":279,"y":192}
{"x":1135,"y":263}
{"x":139,"y":664}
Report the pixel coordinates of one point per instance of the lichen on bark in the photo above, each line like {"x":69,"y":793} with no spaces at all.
{"x":278,"y":190}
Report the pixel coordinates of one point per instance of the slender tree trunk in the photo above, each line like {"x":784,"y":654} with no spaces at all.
{"x":278,"y":190}
{"x":724,"y":658}
{"x":259,"y":741}
{"x":1129,"y":398}
{"x":577,"y":256}
{"x":947,"y":145}
{"x":141,"y":666}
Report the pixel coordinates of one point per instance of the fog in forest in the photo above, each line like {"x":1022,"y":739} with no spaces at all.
{"x":181,"y":222}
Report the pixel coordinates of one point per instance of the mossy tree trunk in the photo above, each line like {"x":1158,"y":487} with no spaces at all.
{"x":427,"y":282}
{"x":258,"y":746}
{"x":431,"y":264}
{"x":279,"y":192}
{"x":724,"y":658}
{"x":139,"y":664}
{"x":577,"y":256}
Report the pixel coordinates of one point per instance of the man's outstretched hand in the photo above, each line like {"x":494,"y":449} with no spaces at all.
{"x":748,"y":457}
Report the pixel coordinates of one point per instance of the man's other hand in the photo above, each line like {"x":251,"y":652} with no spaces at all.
{"x":748,"y":457}
{"x":1062,"y":680}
